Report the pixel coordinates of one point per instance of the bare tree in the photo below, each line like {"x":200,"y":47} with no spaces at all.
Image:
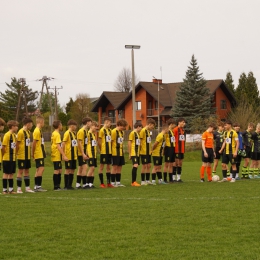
{"x":124,"y":81}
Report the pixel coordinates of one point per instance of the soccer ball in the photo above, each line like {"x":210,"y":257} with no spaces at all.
{"x":215,"y":178}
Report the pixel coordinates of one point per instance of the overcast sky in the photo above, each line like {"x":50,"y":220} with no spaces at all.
{"x":81,"y":42}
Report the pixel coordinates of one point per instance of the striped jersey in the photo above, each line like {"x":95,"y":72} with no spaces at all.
{"x":145,"y":136}
{"x":92,"y":145}
{"x":218,"y":137}
{"x":169,"y":139}
{"x":117,"y":138}
{"x":39,"y":151}
{"x":71,"y":145}
{"x":230,"y":138}
{"x":180,"y":137}
{"x":82,"y":135}
{"x":135,"y":143}
{"x":24,"y":152}
{"x":158,"y":150}
{"x":105,"y":136}
{"x":55,"y":140}
{"x":247,"y":138}
{"x":9,"y":141}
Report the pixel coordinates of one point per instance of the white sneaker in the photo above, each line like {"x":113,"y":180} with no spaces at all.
{"x":19,"y":192}
{"x":148,"y":182}
{"x":233,"y":180}
{"x":120,"y":185}
{"x":223,"y":180}
{"x":143,"y":183}
{"x":29,"y":190}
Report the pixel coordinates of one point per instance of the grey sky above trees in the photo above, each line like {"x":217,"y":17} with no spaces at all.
{"x":81,"y":43}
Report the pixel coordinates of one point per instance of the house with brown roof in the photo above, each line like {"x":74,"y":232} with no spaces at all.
{"x":156,"y":97}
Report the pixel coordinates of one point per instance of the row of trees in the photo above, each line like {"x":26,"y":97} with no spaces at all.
{"x":76,"y":109}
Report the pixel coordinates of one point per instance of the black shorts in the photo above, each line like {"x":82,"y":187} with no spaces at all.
{"x":71,"y":165}
{"x":228,"y":158}
{"x":57,"y":165}
{"x":179,"y":156}
{"x":9,"y":167}
{"x":135,"y":159}
{"x":248,"y":152}
{"x":169,"y":154}
{"x":39,"y":162}
{"x":92,"y":162}
{"x":210,"y":157}
{"x":145,"y":159}
{"x":106,"y":159}
{"x":118,"y":160}
{"x":24,"y":164}
{"x":157,"y":160}
{"x":218,"y":155}
{"x":255,"y":156}
{"x":81,"y":161}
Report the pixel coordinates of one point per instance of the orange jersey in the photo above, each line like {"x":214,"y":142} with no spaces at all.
{"x":208,"y":138}
{"x":180,"y":137}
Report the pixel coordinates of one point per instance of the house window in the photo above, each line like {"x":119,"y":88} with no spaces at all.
{"x":138,"y":105}
{"x":111,"y":113}
{"x":223,"y":104}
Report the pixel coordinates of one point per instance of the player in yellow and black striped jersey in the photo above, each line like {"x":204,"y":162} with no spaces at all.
{"x":38,"y":153}
{"x":82,"y":140}
{"x":146,"y":149}
{"x":157,"y":153}
{"x":70,"y":149}
{"x":104,"y":144}
{"x":57,"y":154}
{"x":92,"y":155}
{"x":169,"y":151}
{"x":9,"y":156}
{"x":118,"y":160}
{"x":23,"y":149}
{"x":2,"y":125}
{"x":134,"y":150}
{"x":229,"y":148}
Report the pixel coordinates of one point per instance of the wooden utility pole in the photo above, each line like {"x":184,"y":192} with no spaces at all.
{"x":56,"y":100}
{"x":22,"y":95}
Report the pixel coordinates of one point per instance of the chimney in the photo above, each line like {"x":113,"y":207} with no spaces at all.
{"x":157,"y":81}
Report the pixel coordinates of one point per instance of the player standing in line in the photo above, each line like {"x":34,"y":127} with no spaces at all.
{"x":218,"y":137}
{"x":134,"y":151}
{"x":146,"y":150}
{"x":104,"y":144}
{"x":179,"y":135}
{"x":23,"y":151}
{"x":82,"y":139}
{"x":70,"y":149}
{"x":236,"y":127}
{"x":118,"y":160}
{"x":207,"y":144}
{"x":247,"y":147}
{"x":255,"y":154}
{"x":2,"y":125}
{"x":38,"y":153}
{"x":92,"y":155}
{"x":9,"y":156}
{"x":57,"y":154}
{"x":157,"y":153}
{"x":169,"y":151}
{"x":229,"y":149}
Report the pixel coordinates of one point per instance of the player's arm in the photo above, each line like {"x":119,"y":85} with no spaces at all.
{"x":129,"y":148}
{"x":3,"y":149}
{"x":237,"y":145}
{"x":204,"y":148}
{"x":64,"y":157}
{"x":33,"y":147}
{"x":80,"y":147}
{"x":223,"y":146}
{"x":17,"y":146}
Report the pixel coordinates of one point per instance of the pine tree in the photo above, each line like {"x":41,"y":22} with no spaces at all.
{"x":193,"y":100}
{"x":247,"y":90}
{"x":229,"y":83}
{"x":9,"y":100}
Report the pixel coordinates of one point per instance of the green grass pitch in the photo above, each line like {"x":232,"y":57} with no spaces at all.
{"x":191,"y":220}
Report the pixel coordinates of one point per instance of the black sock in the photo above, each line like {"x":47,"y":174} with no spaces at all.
{"x":19,"y":182}
{"x":134,"y":174}
{"x":142,"y":176}
{"x":26,"y":181}
{"x":39,"y":180}
{"x":79,"y":177}
{"x":118,"y":177}
{"x":147,"y":175}
{"x":88,"y":179}
{"x":113,"y":177}
{"x":170,"y":176}
{"x":108,"y":174}
{"x":59,"y":179}
{"x":66,"y":180}
{"x":165,"y":176}
{"x":153,"y":176}
{"x":4,"y":184}
{"x":71,"y":176}
{"x":84,"y":180}
{"x":55,"y":180}
{"x":36,"y":181}
{"x":101,"y":178}
{"x":224,"y":172}
{"x":234,"y":173}
{"x":159,"y":175}
{"x":174,"y":170}
{"x":11,"y":183}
